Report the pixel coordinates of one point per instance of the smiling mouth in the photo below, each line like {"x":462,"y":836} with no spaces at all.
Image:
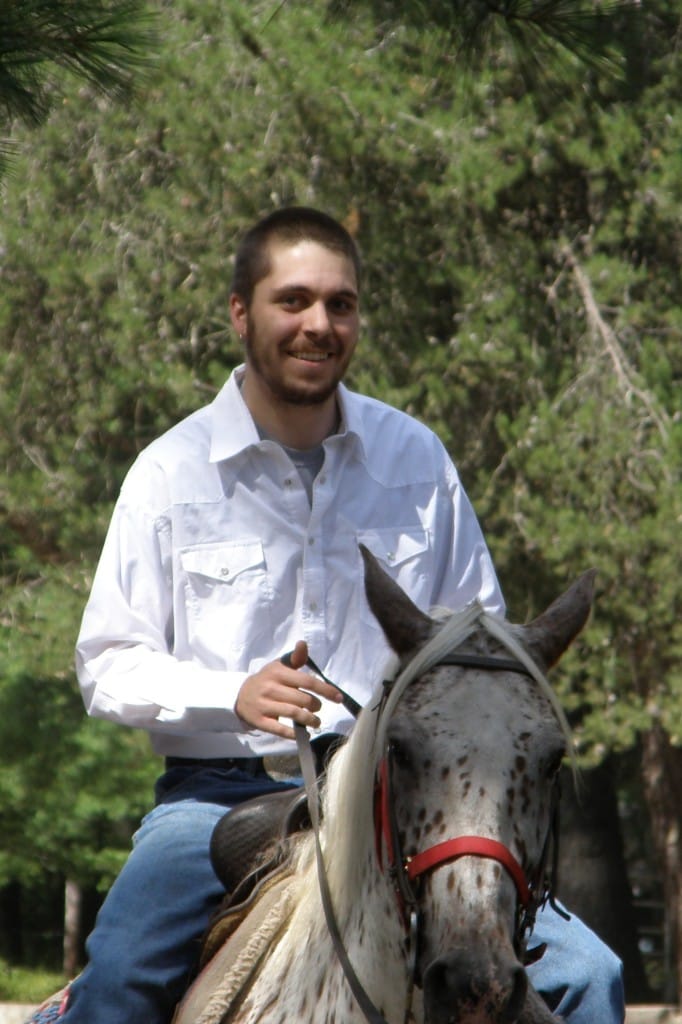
{"x":311,"y":357}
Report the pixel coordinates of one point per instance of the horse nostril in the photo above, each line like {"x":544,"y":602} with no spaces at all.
{"x":517,"y":995}
{"x":460,"y":983}
{"x":441,"y":983}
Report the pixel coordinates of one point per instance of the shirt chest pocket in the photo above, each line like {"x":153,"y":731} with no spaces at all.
{"x":405,"y":554}
{"x":227,"y":594}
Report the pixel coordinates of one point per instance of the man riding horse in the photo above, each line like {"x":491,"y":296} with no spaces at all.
{"x":236,"y":538}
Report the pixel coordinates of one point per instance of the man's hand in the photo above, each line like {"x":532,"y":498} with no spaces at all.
{"x":279,"y":691}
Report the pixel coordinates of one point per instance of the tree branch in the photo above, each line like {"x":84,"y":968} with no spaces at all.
{"x":603,"y":332}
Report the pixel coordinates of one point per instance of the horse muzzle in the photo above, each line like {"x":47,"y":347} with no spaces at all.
{"x":463,"y":988}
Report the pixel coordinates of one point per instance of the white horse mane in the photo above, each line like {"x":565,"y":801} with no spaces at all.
{"x":348,"y":792}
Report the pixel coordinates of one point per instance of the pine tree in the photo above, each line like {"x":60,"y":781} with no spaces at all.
{"x":106,"y":42}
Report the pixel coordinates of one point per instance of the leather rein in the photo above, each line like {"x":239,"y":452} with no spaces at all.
{"x":406,"y":872}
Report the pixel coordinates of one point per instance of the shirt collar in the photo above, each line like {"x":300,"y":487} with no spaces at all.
{"x":233,"y":429}
{"x":232,"y":426}
{"x":351,"y":419}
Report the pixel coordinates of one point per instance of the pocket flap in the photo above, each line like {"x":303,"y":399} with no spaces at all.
{"x":395,"y":545}
{"x":223,"y":561}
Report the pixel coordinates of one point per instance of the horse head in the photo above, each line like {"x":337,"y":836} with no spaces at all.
{"x":470,"y":749}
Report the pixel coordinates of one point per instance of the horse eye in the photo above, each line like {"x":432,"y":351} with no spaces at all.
{"x":554,"y":762}
{"x":400,"y":754}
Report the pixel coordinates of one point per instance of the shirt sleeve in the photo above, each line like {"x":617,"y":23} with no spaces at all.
{"x":124,"y":660}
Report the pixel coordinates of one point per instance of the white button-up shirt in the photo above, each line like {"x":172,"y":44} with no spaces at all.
{"x":216,"y":563}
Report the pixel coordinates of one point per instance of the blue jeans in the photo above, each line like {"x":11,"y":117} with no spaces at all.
{"x":147,"y":937}
{"x":580,"y":978}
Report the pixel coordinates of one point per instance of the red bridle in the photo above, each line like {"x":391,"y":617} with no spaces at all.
{"x":404,"y":871}
{"x":440,"y":853}
{"x":471,"y":846}
{"x":532,"y":893}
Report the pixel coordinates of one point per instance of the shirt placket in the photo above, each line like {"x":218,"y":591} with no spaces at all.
{"x":314,"y":578}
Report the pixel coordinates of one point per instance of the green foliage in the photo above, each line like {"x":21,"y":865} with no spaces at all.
{"x":24,"y":986}
{"x":72,"y":789}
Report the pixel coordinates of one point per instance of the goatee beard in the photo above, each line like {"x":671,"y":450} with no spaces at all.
{"x":295,"y":397}
{"x":291,"y":396}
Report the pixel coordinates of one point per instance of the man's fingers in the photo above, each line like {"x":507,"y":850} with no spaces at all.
{"x":308,"y":681}
{"x":269,"y":715}
{"x":274,"y":727}
{"x":281,"y":690}
{"x":299,"y":713}
{"x":289,"y":696}
{"x":299,"y":655}
{"x":313,"y":684}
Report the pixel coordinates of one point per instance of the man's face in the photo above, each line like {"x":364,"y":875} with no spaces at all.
{"x":302,"y":324}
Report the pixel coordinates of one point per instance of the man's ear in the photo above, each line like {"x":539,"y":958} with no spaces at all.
{"x":239,"y":315}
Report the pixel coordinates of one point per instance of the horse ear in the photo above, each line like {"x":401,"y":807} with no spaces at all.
{"x":405,"y":626}
{"x":548,"y":636}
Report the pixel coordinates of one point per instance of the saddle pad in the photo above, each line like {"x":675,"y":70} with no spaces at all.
{"x":227,"y":976}
{"x":52,"y":1009}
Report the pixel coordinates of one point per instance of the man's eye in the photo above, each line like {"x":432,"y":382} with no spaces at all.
{"x":343,"y":306}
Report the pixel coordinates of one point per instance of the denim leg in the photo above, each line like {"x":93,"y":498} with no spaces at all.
{"x":579,"y":977}
{"x":147,"y":934}
{"x":146,"y":940}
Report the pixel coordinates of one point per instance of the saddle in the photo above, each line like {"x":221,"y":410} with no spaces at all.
{"x":245,"y":833}
{"x":251,"y":846}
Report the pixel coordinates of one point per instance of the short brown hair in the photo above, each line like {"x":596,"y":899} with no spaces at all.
{"x":290,"y":224}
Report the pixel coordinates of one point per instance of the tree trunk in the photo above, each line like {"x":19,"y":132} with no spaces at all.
{"x":662,"y":779}
{"x":11,"y":935}
{"x":72,"y":916}
{"x":593,"y":879}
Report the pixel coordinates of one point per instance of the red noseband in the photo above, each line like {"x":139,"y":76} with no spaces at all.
{"x":471,"y":846}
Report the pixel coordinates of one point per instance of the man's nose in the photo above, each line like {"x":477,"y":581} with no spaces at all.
{"x":317,"y":319}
